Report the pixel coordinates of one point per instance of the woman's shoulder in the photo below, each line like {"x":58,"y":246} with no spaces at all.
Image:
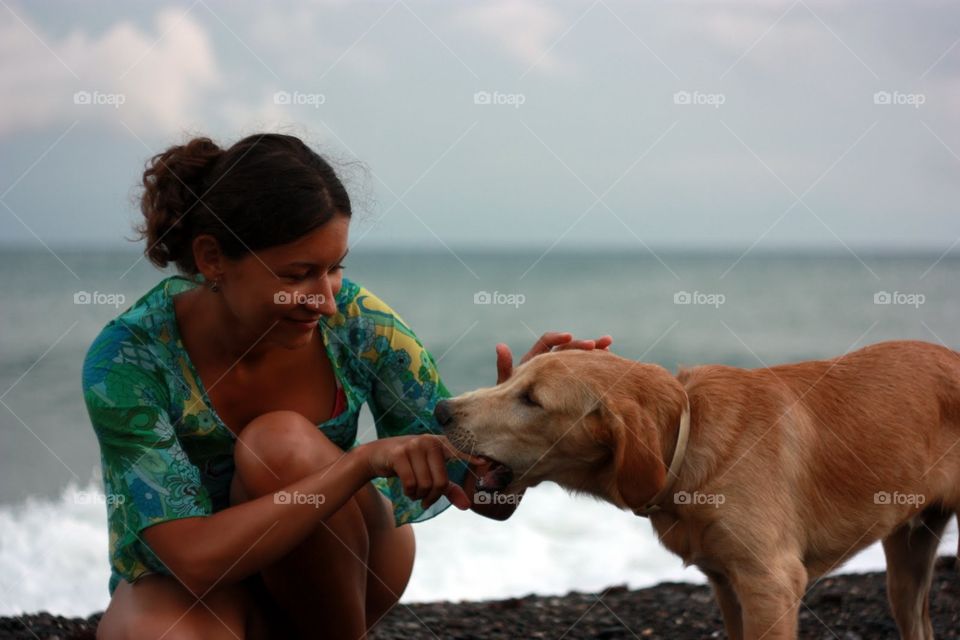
{"x":356,"y":301}
{"x":137,"y":335}
{"x":371,"y":328}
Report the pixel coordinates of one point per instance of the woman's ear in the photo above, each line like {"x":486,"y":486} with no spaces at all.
{"x":632,"y":434}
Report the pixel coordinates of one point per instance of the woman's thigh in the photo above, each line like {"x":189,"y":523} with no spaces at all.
{"x":158,"y":606}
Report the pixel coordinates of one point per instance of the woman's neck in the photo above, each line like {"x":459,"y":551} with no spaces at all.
{"x":207,"y":324}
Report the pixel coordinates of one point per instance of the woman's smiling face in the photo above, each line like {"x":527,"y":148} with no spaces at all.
{"x":278,"y":294}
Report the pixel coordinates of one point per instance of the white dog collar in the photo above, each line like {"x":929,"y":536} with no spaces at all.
{"x":673,"y":470}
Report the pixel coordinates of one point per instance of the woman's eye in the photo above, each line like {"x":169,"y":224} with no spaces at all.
{"x":304,"y":276}
{"x":528,"y":399}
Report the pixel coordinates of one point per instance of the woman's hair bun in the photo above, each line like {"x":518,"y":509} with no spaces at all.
{"x":266,"y":190}
{"x":174,"y":183}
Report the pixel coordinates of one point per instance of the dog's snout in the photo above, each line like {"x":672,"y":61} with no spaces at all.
{"x":443,"y":413}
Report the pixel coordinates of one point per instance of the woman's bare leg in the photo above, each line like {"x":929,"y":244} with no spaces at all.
{"x":324,"y":582}
{"x":392,"y":551}
{"x":158,"y":606}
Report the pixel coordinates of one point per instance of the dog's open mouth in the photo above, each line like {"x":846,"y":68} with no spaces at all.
{"x":494,"y":475}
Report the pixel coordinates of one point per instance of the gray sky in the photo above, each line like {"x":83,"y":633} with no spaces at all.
{"x":780,"y":139}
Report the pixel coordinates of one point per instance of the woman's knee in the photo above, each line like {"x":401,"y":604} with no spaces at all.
{"x":280,"y":447}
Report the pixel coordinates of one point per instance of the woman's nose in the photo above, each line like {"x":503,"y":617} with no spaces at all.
{"x":323,"y":301}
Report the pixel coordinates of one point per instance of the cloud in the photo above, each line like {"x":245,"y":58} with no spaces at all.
{"x":309,"y":41}
{"x":154,"y":79}
{"x":779,"y":32}
{"x":524,"y":30}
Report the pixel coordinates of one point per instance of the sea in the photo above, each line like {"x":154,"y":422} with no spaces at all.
{"x":670,"y":307}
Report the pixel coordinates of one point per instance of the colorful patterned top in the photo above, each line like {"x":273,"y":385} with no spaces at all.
{"x":166,"y":454}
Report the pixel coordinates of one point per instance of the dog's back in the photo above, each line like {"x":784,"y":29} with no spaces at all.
{"x":854,"y":444}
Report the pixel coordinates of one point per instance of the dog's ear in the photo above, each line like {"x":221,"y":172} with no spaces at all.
{"x":632,"y":434}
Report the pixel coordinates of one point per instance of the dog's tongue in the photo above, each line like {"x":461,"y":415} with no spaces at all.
{"x":496,"y":477}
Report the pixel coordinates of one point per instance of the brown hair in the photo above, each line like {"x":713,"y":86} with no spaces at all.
{"x":266,"y":190}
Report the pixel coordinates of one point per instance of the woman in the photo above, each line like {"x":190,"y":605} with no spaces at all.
{"x":225,"y":401}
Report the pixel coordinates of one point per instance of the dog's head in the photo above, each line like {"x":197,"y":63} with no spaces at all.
{"x":590,"y":421}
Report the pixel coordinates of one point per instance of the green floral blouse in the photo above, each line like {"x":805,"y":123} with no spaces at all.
{"x":166,"y":454}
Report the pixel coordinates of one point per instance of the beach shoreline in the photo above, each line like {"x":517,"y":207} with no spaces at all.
{"x":848,"y":606}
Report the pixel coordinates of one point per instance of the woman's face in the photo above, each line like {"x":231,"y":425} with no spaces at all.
{"x":278,"y":294}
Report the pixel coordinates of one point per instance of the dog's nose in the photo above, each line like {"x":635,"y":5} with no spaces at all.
{"x":443,"y":413}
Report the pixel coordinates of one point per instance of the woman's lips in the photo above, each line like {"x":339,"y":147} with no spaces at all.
{"x":303,"y":325}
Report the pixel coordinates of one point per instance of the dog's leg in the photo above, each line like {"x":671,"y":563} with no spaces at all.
{"x":729,"y":605}
{"x":911,"y":552}
{"x":770,"y":593}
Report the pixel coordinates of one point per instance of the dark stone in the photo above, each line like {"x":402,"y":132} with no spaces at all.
{"x":848,"y":607}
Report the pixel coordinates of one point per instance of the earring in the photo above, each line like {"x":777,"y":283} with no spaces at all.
{"x":215,"y":286}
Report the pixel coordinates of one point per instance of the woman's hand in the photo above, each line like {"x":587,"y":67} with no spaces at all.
{"x":420,"y":463}
{"x":547,"y":342}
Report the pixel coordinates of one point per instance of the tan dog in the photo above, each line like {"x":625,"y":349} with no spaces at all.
{"x":788,"y":471}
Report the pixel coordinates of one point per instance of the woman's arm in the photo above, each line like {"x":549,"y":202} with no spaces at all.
{"x":240,"y":540}
{"x":227,"y":546}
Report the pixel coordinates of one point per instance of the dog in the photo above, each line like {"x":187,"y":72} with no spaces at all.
{"x":765,"y":479}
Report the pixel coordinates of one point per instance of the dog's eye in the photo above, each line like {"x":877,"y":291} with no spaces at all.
{"x":528,"y":399}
